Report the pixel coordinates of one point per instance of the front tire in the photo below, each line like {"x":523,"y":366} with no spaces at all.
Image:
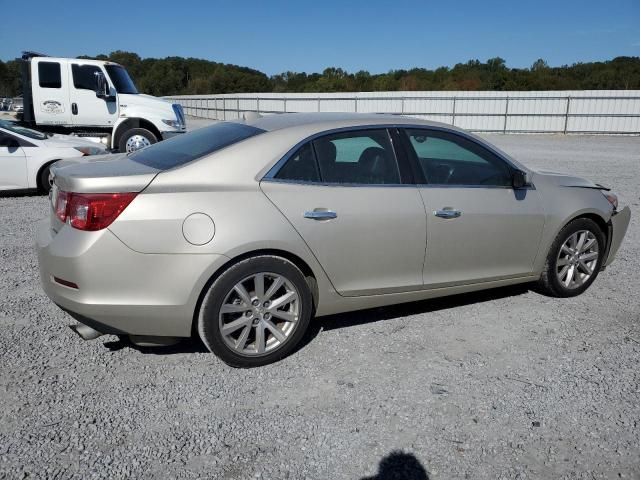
{"x":256,"y":312}
{"x":135,"y":139}
{"x":574,"y":259}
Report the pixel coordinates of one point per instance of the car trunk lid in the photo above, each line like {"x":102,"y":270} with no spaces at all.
{"x":102,"y":174}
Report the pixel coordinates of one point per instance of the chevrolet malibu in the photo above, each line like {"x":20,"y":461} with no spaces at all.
{"x":240,"y":233}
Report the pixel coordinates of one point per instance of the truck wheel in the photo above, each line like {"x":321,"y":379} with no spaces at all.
{"x":135,"y":139}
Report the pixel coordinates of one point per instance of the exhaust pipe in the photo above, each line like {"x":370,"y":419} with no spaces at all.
{"x":85,"y":332}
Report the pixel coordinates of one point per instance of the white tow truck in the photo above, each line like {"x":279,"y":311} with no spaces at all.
{"x":94,"y":99}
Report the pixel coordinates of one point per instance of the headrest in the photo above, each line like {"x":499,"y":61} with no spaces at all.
{"x":326,"y":150}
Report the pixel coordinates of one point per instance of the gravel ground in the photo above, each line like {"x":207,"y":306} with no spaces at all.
{"x":497,"y":384}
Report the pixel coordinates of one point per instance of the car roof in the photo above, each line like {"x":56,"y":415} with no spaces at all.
{"x":296,"y":127}
{"x":330,"y":121}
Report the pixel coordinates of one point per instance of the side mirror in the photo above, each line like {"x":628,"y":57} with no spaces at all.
{"x":519,"y":179}
{"x":102,"y":86}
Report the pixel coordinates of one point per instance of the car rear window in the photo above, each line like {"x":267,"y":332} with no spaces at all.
{"x":193,"y":145}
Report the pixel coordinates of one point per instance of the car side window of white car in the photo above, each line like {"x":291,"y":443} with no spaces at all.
{"x":449,"y":159}
{"x":8,"y":142}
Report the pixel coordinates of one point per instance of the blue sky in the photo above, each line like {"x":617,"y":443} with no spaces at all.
{"x":277,"y":35}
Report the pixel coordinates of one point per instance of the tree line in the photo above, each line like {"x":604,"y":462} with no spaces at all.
{"x":177,"y":75}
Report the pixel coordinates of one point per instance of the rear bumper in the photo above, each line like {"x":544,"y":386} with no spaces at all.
{"x":120,"y":290}
{"x":619,"y":224}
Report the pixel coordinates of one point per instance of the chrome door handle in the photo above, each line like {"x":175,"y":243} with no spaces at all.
{"x":320,"y":215}
{"x":447,"y":213}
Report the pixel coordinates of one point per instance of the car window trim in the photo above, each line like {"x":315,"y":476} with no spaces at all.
{"x":405,"y":166}
{"x":423,"y":181}
{"x":405,"y":150}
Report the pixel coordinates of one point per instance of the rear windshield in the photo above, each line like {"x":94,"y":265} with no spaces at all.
{"x":190,"y":146}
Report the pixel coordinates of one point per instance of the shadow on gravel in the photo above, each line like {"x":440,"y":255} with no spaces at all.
{"x":187,"y":345}
{"x":391,"y":312}
{"x":345,"y":320}
{"x":21,"y":193}
{"x":400,"y":466}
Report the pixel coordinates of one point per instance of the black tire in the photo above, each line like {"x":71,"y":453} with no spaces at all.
{"x":208,"y":320}
{"x":43,"y":179}
{"x":122,"y":143}
{"x":549,"y":282}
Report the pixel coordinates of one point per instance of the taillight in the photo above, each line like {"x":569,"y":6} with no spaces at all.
{"x":91,"y":211}
{"x":61,"y":205}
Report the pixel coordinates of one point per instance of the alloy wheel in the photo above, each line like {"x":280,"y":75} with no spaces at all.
{"x":259,"y":314}
{"x":577,"y":259}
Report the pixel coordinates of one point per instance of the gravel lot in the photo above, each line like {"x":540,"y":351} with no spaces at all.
{"x":498,"y":384}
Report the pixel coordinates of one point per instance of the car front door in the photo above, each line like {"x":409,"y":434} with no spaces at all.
{"x":13,"y":163}
{"x":86,"y":108}
{"x":479,"y":228}
{"x":360,"y":216}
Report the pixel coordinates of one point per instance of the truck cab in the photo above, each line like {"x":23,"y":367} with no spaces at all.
{"x":95,"y":98}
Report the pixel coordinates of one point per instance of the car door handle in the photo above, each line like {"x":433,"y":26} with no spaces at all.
{"x":320,"y":214}
{"x":447,"y":213}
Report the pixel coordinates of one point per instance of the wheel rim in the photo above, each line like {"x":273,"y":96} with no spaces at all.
{"x":259,"y":314}
{"x":577,"y":259}
{"x":136,"y":142}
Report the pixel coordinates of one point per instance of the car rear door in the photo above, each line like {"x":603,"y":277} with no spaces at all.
{"x":13,"y":163}
{"x":479,"y":228}
{"x":350,"y":200}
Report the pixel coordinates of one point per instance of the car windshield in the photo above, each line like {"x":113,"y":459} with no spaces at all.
{"x":185,"y":148}
{"x":121,"y":79}
{"x":27,"y":132}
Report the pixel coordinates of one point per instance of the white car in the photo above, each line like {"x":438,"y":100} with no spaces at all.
{"x":26,"y":155}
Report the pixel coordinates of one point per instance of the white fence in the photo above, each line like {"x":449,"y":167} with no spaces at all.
{"x":579,"y":111}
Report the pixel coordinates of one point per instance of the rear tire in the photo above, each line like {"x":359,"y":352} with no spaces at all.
{"x":135,"y":139}
{"x":43,"y":179}
{"x":574,"y":259}
{"x":256,"y":312}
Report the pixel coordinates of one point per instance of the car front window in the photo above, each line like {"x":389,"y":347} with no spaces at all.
{"x":449,"y":159}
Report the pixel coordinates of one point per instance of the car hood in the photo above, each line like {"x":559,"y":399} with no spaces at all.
{"x":566,"y":180}
{"x":69,"y":141}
